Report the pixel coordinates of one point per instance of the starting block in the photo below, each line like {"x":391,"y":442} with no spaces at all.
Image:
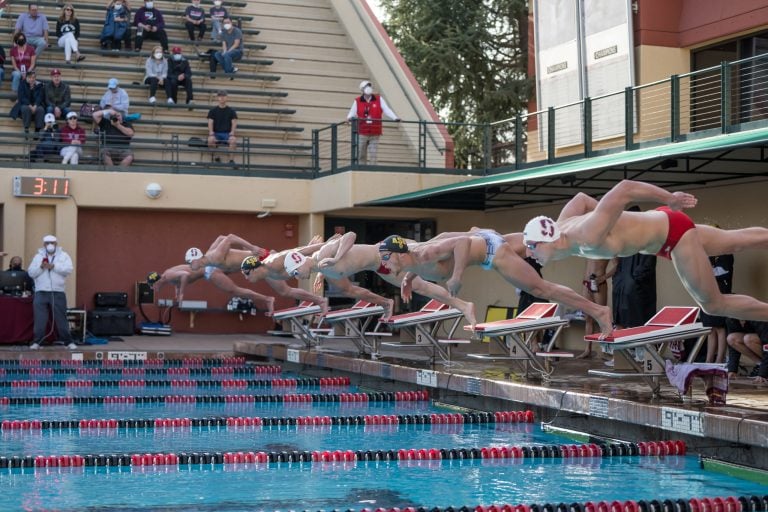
{"x":354,"y":322}
{"x":295,"y":318}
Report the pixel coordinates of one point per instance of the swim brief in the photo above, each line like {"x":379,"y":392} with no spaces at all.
{"x":208,"y":272}
{"x":492,"y":243}
{"x":679,"y":224}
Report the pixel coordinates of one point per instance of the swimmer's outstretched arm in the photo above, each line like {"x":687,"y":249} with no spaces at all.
{"x":342,"y":247}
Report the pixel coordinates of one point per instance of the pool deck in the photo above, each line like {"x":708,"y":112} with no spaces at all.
{"x":570,"y":398}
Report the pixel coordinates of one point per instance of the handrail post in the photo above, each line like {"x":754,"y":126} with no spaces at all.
{"x":355,"y":140}
{"x":247,"y":153}
{"x":334,"y":148}
{"x":550,"y":135}
{"x":725,"y":97}
{"x":629,"y":118}
{"x":518,"y":142}
{"x":488,"y":147}
{"x":315,"y":152}
{"x":674,"y":108}
{"x":422,"y":144}
{"x":175,"y":151}
{"x":587,"y":127}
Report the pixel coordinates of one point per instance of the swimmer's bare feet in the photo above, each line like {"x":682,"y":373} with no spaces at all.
{"x":468,"y":309}
{"x":605,"y":319}
{"x":270,"y":302}
{"x":389,"y":308}
{"x":324,"y":307}
{"x":587,"y":354}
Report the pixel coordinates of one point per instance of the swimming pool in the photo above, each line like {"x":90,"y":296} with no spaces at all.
{"x":439,"y":457}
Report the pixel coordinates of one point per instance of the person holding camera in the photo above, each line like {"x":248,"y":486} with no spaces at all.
{"x":48,"y":140}
{"x":117,"y":133}
{"x":115,"y":98}
{"x":50,"y":268}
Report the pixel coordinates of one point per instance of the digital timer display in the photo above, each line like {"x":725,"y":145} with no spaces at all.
{"x":36,"y":186}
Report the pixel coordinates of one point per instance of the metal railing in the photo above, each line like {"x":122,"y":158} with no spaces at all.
{"x":730,"y":96}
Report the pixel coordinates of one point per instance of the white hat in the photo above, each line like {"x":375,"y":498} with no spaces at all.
{"x":193,"y":253}
{"x":541,"y":229}
{"x":50,"y":118}
{"x":365,"y":83}
{"x":72,"y":114}
{"x":293,"y":260}
{"x":49,"y":238}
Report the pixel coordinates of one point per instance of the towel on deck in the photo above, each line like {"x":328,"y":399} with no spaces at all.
{"x":715,"y":377}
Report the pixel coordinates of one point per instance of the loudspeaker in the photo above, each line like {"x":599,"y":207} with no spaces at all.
{"x":144,"y":293}
{"x":111,"y":299}
{"x":119,"y":322}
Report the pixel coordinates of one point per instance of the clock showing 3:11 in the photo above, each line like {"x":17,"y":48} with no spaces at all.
{"x":37,"y":186}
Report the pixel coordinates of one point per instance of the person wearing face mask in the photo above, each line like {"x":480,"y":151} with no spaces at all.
{"x":150,"y":24}
{"x":16,"y":265}
{"x":23,"y":59}
{"x":50,"y":268}
{"x":217,"y":13}
{"x":179,"y":73}
{"x":367,"y":109}
{"x":194,"y":21}
{"x":116,"y":26}
{"x":34,"y":26}
{"x":156,"y":73}
{"x":231,"y":48}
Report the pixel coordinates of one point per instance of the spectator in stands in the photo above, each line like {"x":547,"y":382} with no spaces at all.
{"x":231,"y":48}
{"x":594,"y":288}
{"x":179,"y":73}
{"x":722,"y":267}
{"x":50,"y":268}
{"x":58,"y":97}
{"x":48,"y":141}
{"x":747,"y":337}
{"x":222,"y":125}
{"x":150,"y":24}
{"x":367,"y":109}
{"x":114,"y":100}
{"x":68,"y":32}
{"x":194,"y":20}
{"x":117,"y":138}
{"x":218,"y":12}
{"x":23,"y":59}
{"x":31,"y":102}
{"x":156,"y":73}
{"x":72,"y":140}
{"x":16,"y":265}
{"x":117,"y":26}
{"x":34,"y":26}
{"x":2,"y":64}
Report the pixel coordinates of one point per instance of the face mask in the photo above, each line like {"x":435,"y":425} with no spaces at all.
{"x":158,"y":55}
{"x":227,"y":26}
{"x":15,"y":267}
{"x":118,"y":7}
{"x":177,"y":56}
{"x":149,"y":5}
{"x":21,"y":42}
{"x":217,"y":3}
{"x":51,"y":248}
{"x":368,"y":91}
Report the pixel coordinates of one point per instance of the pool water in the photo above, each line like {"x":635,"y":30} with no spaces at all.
{"x":317,"y":485}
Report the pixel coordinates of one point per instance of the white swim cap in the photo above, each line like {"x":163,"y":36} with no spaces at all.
{"x":193,"y":253}
{"x":541,"y":229}
{"x":293,"y":260}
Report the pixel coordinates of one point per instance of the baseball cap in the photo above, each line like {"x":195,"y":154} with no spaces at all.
{"x":250,"y":263}
{"x":541,"y":229}
{"x":112,"y":84}
{"x":192,"y":254}
{"x":293,"y":260}
{"x":221,"y":92}
{"x":71,"y":115}
{"x":365,"y":83}
{"x":50,"y":118}
{"x":176,"y":49}
{"x":394,"y":243}
{"x":55,"y":71}
{"x":153,"y":277}
{"x":49,"y":238}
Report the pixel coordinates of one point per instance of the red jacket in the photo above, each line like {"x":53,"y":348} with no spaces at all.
{"x":369,"y":114}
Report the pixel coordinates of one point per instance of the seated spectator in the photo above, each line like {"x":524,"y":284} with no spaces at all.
{"x":194,"y":20}
{"x":2,"y":64}
{"x":156,"y":73}
{"x":179,"y":73}
{"x":150,"y":24}
{"x":117,"y":135}
{"x":58,"y":97}
{"x":16,"y":265}
{"x":34,"y":26}
{"x":31,"y":102}
{"x":117,"y":26}
{"x":72,"y":140}
{"x":231,"y":48}
{"x":218,"y":12}
{"x":23,"y":59}
{"x":745,"y":337}
{"x":222,"y":124}
{"x":115,"y":99}
{"x":68,"y":32}
{"x":48,"y":143}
